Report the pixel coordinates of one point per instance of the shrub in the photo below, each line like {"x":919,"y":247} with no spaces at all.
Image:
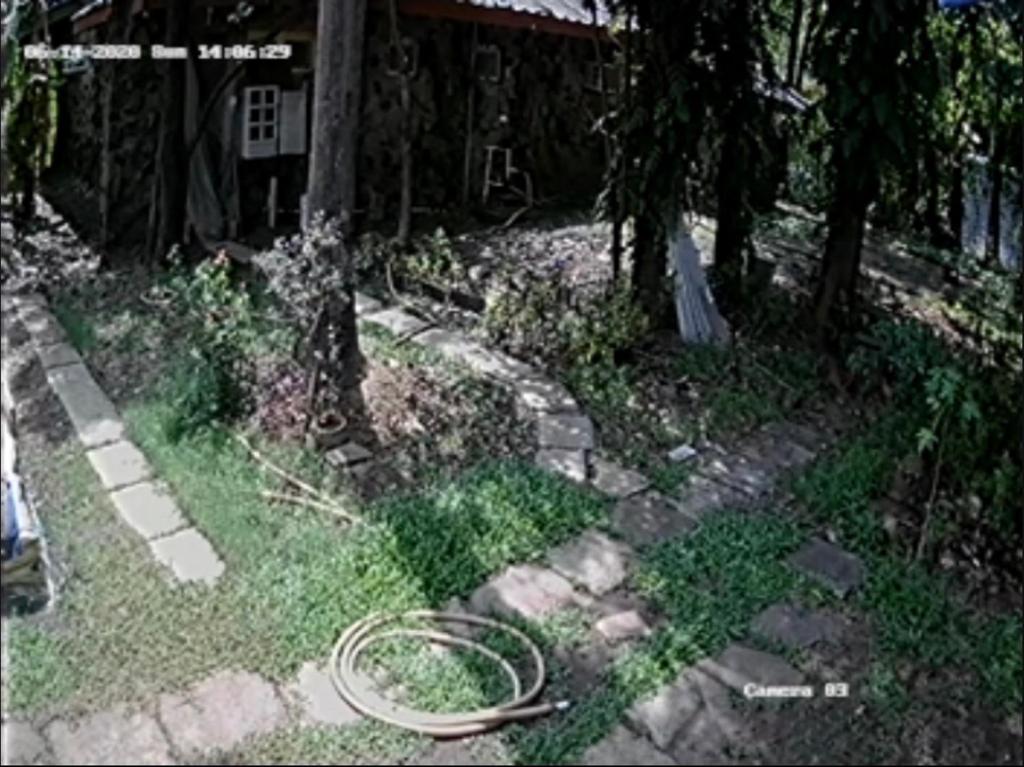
{"x":532,"y":313}
{"x":967,"y":411}
{"x":208,"y":384}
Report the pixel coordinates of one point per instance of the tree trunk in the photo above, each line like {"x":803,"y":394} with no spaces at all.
{"x":650,"y":268}
{"x":625,"y":107}
{"x":341,"y":29}
{"x":995,"y":211}
{"x":106,"y":106}
{"x":173,"y":172}
{"x":734,"y":172}
{"x":955,"y":208}
{"x":794,"y":41}
{"x":733,"y":220}
{"x":813,"y":27}
{"x":932,"y":219}
{"x":835,"y":302}
{"x":405,"y":204}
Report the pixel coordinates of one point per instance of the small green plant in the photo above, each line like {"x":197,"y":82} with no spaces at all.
{"x":80,"y":329}
{"x":532,"y":313}
{"x":208,"y":385}
{"x":524,"y":312}
{"x":604,"y":328}
{"x":434,"y":261}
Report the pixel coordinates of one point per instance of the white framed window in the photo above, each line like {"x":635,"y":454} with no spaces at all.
{"x":261,"y":119}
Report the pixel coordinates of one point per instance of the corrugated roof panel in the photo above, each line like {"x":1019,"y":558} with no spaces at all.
{"x":564,"y":10}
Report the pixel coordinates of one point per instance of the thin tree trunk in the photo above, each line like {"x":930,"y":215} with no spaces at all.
{"x":611,"y":156}
{"x":810,"y":38}
{"x":835,"y":302}
{"x":173,"y":173}
{"x":341,"y":30}
{"x":106,"y":105}
{"x":731,"y":229}
{"x":625,"y":108}
{"x":405,"y":205}
{"x":932,"y":219}
{"x":731,"y":185}
{"x":995,"y":211}
{"x":467,"y":160}
{"x":796,"y":23}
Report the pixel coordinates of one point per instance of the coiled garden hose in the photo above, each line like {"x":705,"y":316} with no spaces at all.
{"x":353,"y":687}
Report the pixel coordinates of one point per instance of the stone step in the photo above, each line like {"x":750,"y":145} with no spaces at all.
{"x":91,"y":412}
{"x":221,"y":712}
{"x":797,"y":628}
{"x":615,"y":481}
{"x":524,"y":591}
{"x":830,"y":565}
{"x":649,"y":518}
{"x":593,"y":561}
{"x":696,"y":718}
{"x":190,"y":557}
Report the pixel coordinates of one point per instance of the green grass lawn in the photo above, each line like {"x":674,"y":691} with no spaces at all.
{"x":294,"y":581}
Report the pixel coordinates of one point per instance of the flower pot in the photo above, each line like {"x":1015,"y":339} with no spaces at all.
{"x":327,"y":431}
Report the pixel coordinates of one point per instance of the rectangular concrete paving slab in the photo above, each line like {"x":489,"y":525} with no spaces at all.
{"x":458,"y":348}
{"x":649,"y":518}
{"x":623,"y":627}
{"x":91,"y":412}
{"x":692,"y":715}
{"x":796,"y":627}
{"x":57,"y":355}
{"x":524,"y":591}
{"x":21,"y":744}
{"x":544,"y":396}
{"x":149,"y":509}
{"x":42,"y":326}
{"x":740,"y":473}
{"x":189,"y":556}
{"x":615,"y":481}
{"x":571,"y":464}
{"x":221,"y":712}
{"x":593,"y":561}
{"x":565,"y":431}
{"x":313,"y":694}
{"x":115,"y":737}
{"x":827,"y":563}
{"x":703,"y":496}
{"x":367,"y":304}
{"x":396,"y":321}
{"x":119,"y":465}
{"x":508,"y":370}
{"x":738,"y":666}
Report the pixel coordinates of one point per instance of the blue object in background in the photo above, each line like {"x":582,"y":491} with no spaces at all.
{"x":12,"y":500}
{"x":958,"y":3}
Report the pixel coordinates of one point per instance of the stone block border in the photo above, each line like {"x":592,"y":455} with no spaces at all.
{"x":565,"y":435}
{"x":120,"y":466}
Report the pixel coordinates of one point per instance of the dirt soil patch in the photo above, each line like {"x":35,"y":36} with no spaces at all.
{"x":894,"y":714}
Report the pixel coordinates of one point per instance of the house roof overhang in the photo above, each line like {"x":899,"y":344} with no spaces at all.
{"x":561,"y":17}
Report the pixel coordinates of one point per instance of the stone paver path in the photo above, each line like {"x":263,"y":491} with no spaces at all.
{"x":122,"y":469}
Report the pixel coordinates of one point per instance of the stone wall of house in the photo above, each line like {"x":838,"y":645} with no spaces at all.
{"x":538,"y":106}
{"x":134,"y":124}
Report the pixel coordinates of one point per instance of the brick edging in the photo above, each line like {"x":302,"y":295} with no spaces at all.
{"x":142,"y":502}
